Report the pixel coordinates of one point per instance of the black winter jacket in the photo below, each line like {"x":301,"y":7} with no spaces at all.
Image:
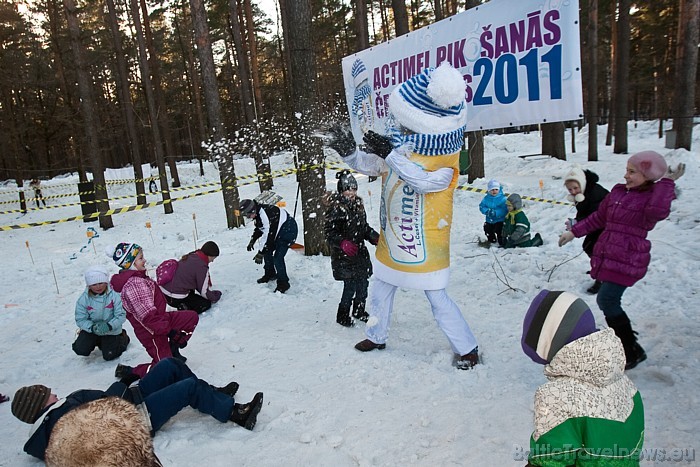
{"x":594,"y":195}
{"x":346,"y":220}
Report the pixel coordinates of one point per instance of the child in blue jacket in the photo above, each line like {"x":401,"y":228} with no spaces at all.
{"x":99,"y":315}
{"x":493,"y":206}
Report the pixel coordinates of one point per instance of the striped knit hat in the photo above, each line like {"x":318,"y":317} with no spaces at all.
{"x":553,"y":320}
{"x":125,"y":254}
{"x":29,"y":401}
{"x":432,"y":102}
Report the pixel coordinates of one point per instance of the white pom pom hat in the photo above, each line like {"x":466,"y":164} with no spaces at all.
{"x":432,"y":102}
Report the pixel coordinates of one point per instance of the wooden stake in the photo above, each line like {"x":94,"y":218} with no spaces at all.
{"x":54,"y":278}
{"x":148,"y":226}
{"x":194,"y":218}
{"x":26,"y":242}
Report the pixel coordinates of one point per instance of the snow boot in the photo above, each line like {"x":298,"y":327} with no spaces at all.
{"x":358,"y":311}
{"x":230,"y":389}
{"x":536,"y":240}
{"x":367,"y":345}
{"x":282,"y":286}
{"x":175,"y":350}
{"x":246,"y":415}
{"x":634,"y":353}
{"x":594,"y":288}
{"x":122,"y":371}
{"x":267,"y":277}
{"x":343,"y":316}
{"x":468,"y":361}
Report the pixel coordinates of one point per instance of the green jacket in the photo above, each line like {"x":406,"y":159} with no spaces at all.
{"x":516,"y":229}
{"x":589,"y":413}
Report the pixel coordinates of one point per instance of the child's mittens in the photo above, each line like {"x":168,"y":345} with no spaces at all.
{"x":569,"y":223}
{"x":349,"y":248}
{"x":101,"y":328}
{"x":565,"y":238}
{"x":4,"y":398}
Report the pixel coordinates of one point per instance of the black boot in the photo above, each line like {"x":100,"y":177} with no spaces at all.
{"x":282,"y":286}
{"x":358,"y":311}
{"x":246,"y":415}
{"x":634,"y":353}
{"x":594,"y":288}
{"x":175,"y":350}
{"x":230,"y":389}
{"x":267,"y":277}
{"x":343,"y":316}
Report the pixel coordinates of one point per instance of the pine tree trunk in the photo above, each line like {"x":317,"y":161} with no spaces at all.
{"x":592,"y":79}
{"x":400,"y":17}
{"x":622,"y":77}
{"x":553,"y":143}
{"x":213,"y":104}
{"x":152,"y":111}
{"x":126,"y":104}
{"x":361,"y":25}
{"x":686,"y":70}
{"x":311,"y":173}
{"x":89,"y":116}
{"x":161,"y":108}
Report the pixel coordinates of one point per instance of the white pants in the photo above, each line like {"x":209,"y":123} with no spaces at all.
{"x":445,"y":311}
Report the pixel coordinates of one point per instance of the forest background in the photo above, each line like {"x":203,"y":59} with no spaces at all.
{"x":86,"y":85}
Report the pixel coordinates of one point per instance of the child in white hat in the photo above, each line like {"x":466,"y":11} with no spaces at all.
{"x":493,"y":206}
{"x":99,"y":316}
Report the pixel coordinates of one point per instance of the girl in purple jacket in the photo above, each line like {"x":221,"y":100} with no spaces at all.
{"x":622,"y":253}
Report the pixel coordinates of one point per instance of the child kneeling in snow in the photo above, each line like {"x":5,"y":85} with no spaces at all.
{"x":99,"y":316}
{"x":589,"y":412}
{"x":516,"y":227}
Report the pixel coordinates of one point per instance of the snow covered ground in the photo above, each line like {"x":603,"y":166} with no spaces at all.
{"x":326,"y":403}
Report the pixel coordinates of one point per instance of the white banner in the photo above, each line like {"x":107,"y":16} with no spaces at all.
{"x":520,"y":59}
{"x":126,"y":173}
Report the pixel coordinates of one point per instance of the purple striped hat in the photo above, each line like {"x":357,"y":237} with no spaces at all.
{"x":553,"y":320}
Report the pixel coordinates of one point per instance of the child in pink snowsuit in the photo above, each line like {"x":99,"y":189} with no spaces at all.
{"x":162,"y":333}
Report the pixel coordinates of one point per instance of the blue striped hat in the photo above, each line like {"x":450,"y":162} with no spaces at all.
{"x":432,"y":102}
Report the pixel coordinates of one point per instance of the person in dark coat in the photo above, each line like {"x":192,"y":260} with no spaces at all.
{"x":279,"y":231}
{"x":586,"y":194}
{"x":168,"y":388}
{"x":190,"y":287}
{"x":622,"y":253}
{"x":346,"y":230}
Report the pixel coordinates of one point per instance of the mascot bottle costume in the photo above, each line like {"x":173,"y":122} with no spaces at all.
{"x":419,"y":166}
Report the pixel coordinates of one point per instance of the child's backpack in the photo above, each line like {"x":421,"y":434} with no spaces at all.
{"x":166,"y":271}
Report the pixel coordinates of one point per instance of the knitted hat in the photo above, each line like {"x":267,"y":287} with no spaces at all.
{"x":125,"y":254}
{"x":515,"y":201}
{"x":210,"y":249}
{"x":247,"y":207}
{"x":553,"y":320}
{"x":345,"y":181}
{"x":29,"y":401}
{"x":650,"y":163}
{"x":96,"y":275}
{"x":494,"y":185}
{"x":432,"y":102}
{"x":577,"y":175}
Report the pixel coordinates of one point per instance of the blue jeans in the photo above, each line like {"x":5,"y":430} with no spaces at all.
{"x":171,"y":386}
{"x":609,"y":299}
{"x":274,"y":260}
{"x":354,"y":288}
